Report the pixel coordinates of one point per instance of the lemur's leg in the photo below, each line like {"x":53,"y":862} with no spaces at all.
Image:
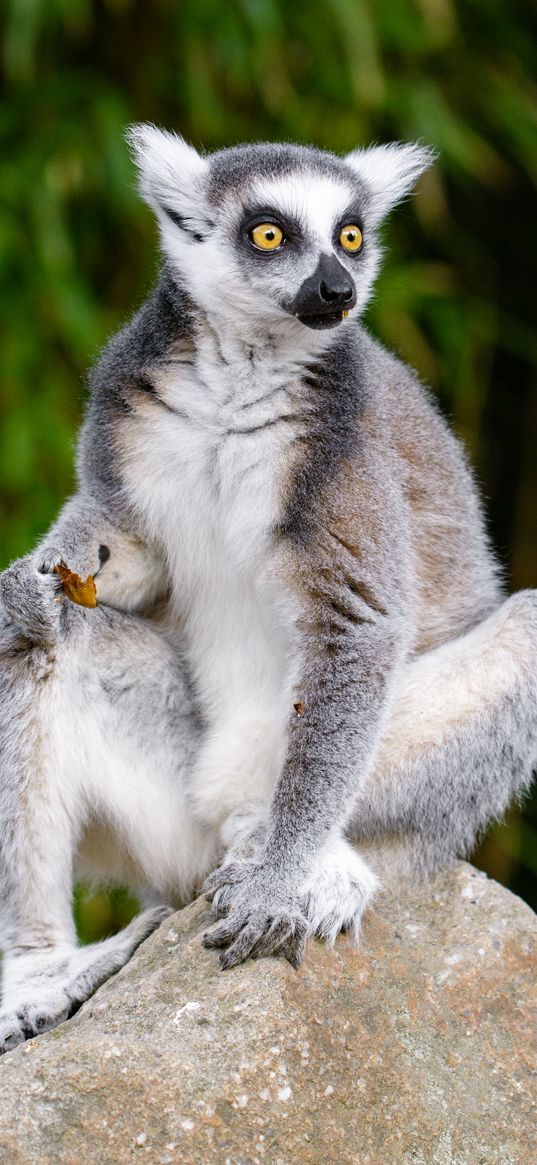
{"x":42,"y":806}
{"x":461,"y":741}
{"x":95,"y":731}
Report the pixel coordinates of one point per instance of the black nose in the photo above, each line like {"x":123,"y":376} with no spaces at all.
{"x":337,"y":292}
{"x":325,"y":295}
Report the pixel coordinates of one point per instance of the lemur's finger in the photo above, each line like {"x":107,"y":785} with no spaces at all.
{"x":275,"y":936}
{"x":223,"y":876}
{"x":242,"y":948}
{"x":293,"y":950}
{"x":222,"y":901}
{"x":11,"y":1033}
{"x":266,"y":935}
{"x":224,"y":933}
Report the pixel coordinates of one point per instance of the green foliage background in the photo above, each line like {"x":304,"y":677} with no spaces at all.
{"x":456,"y":298}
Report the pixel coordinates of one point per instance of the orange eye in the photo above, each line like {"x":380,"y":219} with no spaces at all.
{"x":267,"y":236}
{"x":351,"y":238}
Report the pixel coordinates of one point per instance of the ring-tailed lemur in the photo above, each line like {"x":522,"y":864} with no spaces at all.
{"x":300,"y":636}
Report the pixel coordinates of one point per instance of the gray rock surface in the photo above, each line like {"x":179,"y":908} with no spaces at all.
{"x":417,"y":1048}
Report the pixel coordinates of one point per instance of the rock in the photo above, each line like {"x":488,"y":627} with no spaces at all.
{"x":415,"y":1049}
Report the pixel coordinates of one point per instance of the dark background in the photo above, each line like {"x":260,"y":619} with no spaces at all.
{"x":457,"y":295}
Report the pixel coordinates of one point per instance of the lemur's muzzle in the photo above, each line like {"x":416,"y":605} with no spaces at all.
{"x":326,"y":296}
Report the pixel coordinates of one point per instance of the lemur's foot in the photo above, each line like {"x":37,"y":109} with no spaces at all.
{"x":31,"y":1019}
{"x":45,"y":987}
{"x":337,"y":892}
{"x":260,"y":917}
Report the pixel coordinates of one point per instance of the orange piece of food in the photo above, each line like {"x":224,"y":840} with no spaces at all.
{"x":78,"y":590}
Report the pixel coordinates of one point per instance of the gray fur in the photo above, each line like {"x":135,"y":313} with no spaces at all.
{"x":235,"y":168}
{"x":300,"y":636}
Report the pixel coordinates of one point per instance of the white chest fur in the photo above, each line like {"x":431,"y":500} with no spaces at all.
{"x":204,"y":469}
{"x":207,"y":469}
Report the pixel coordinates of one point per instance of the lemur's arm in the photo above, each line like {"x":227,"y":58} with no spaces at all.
{"x":128,"y":575}
{"x":353,"y":641}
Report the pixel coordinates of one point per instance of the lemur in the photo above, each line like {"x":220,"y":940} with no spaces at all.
{"x":301,"y":649}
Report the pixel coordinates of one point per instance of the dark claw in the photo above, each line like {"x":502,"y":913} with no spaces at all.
{"x":213,"y":884}
{"x":226,"y":961}
{"x":221,"y":902}
{"x":270,"y":940}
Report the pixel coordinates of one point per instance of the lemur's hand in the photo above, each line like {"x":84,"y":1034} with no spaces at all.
{"x":30,"y":598}
{"x":84,"y":562}
{"x":261,"y":916}
{"x":31,"y":591}
{"x":77,"y":582}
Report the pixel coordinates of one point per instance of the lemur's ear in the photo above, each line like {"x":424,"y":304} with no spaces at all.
{"x":171,"y":173}
{"x":389,"y":172}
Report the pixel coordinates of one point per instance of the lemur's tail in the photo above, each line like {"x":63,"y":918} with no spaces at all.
{"x":462,"y":739}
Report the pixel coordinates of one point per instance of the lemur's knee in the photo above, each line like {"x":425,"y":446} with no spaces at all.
{"x":462,"y":740}
{"x":519,"y":618}
{"x":506,"y":655}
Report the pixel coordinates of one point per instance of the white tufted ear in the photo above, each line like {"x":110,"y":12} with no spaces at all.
{"x":171,"y":172}
{"x":389,"y":172}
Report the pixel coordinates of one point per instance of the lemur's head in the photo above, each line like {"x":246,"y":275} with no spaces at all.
{"x":273,"y":233}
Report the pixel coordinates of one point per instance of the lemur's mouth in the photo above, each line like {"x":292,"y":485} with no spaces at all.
{"x":325,"y":319}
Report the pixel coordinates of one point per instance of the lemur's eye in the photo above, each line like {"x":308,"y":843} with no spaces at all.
{"x":351,"y":238}
{"x":267,"y":236}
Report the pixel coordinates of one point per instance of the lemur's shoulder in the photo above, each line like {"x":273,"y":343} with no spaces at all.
{"x":391,"y":382}
{"x":406,"y":411}
{"x":402,"y":451}
{"x":120,"y":377}
{"x":163,"y":320}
